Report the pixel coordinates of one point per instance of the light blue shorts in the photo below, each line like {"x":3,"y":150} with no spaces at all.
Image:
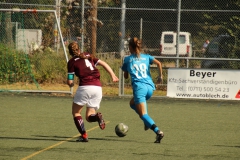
{"x":141,"y":92}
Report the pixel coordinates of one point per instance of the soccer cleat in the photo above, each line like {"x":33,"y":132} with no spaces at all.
{"x":159,"y":137}
{"x":81,"y":139}
{"x":146,"y":127}
{"x":101,"y":122}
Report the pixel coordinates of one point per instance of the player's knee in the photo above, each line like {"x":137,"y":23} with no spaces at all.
{"x":75,"y":114}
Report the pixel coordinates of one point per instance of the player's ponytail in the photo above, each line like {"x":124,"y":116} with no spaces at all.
{"x":135,"y":46}
{"x":74,"y":50}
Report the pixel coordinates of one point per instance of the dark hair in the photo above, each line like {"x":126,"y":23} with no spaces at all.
{"x":135,"y":46}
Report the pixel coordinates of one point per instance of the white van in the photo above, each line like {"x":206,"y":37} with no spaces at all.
{"x":168,"y":46}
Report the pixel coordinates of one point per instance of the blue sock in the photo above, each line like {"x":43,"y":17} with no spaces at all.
{"x":148,"y":121}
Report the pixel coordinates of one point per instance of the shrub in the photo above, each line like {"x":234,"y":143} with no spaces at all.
{"x":14,"y":66}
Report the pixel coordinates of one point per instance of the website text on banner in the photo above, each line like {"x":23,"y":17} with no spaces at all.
{"x":204,"y":84}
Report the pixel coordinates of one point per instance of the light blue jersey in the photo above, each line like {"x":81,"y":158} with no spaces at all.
{"x":139,"y":70}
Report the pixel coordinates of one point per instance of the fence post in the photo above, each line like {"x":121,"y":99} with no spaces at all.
{"x":121,"y":83}
{"x":178,"y":30}
{"x":122,"y":29}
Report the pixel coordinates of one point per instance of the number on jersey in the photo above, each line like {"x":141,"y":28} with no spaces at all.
{"x":88,"y":64}
{"x":141,"y":70}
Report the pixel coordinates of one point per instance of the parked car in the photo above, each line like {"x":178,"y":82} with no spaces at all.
{"x":222,"y":46}
{"x":168,"y":45}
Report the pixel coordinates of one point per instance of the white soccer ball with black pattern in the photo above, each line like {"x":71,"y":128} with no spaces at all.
{"x":121,"y":130}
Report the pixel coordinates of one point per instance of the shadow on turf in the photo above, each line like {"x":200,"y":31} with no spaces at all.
{"x":63,"y":138}
{"x":57,"y":138}
{"x":227,"y":146}
{"x":114,"y":138}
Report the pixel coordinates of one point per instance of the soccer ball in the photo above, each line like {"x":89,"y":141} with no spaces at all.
{"x":121,"y":129}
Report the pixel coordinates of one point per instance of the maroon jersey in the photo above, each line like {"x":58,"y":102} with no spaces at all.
{"x":85,"y":70}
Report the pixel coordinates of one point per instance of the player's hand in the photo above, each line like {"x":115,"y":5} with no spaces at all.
{"x":160,"y":80}
{"x":71,"y":85}
{"x":115,"y":78}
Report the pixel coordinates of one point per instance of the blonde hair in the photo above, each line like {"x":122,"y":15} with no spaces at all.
{"x":135,"y":46}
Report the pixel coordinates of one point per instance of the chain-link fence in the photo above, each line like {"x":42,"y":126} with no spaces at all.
{"x":103,"y":28}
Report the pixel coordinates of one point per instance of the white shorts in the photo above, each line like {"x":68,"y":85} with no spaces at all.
{"x":90,"y":96}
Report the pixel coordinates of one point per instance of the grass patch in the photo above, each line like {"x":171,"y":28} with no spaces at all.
{"x":42,"y":128}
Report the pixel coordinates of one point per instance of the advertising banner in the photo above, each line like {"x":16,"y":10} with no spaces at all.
{"x":204,"y":84}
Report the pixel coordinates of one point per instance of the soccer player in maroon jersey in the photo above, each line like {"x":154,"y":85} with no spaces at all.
{"x":89,"y":91}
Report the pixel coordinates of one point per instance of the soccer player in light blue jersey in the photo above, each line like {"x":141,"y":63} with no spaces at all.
{"x":137,"y":65}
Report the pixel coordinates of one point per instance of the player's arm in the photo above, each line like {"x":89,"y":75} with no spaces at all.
{"x":124,"y":68}
{"x":108,"y":69}
{"x":159,"y":66}
{"x":70,"y":79}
